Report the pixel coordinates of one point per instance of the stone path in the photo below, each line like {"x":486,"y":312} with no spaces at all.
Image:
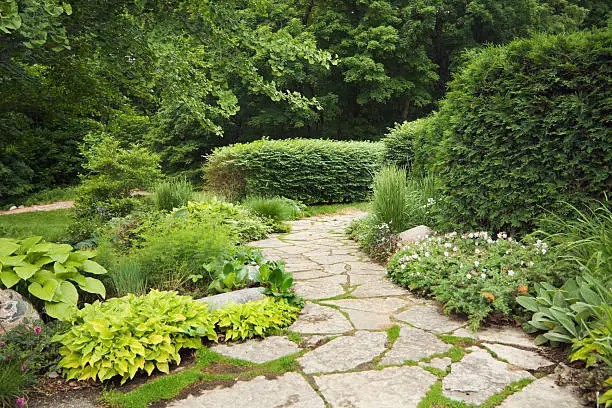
{"x":353,"y":356}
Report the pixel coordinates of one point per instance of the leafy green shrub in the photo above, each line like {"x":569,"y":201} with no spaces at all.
{"x":526,"y":128}
{"x":377,"y":240}
{"x":569,"y":313}
{"x":49,"y":271}
{"x":232,"y":276}
{"x":422,"y":199}
{"x":277,"y":209}
{"x":473,"y":273}
{"x":14,"y":383}
{"x":173,"y":194}
{"x":124,"y":336}
{"x":584,"y":238}
{"x":32,"y":346}
{"x":389,"y":200}
{"x":276,"y":281}
{"x":311,"y":171}
{"x":243,"y":321}
{"x":413,"y":145}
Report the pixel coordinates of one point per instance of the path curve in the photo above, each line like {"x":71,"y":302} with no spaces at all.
{"x":59,"y":205}
{"x":365,"y":342}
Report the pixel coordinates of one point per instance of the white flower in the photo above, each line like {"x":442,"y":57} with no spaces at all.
{"x":461,"y":266}
{"x":476,"y":263}
{"x":543,"y":251}
{"x":471,"y":235}
{"x":455,"y":249}
{"x":468,"y":276}
{"x":448,"y":245}
{"x":482,"y":275}
{"x":427,"y":254}
{"x":415,"y":256}
{"x":530,"y":263}
{"x":510,"y":272}
{"x":477,"y":251}
{"x":509,"y":239}
{"x":446,"y":253}
{"x":418,"y":273}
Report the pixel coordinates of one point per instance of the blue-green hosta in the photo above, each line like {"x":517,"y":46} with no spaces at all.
{"x":50,"y":272}
{"x":123,"y":336}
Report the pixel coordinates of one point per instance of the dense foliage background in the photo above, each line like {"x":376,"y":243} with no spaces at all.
{"x":182,"y":77}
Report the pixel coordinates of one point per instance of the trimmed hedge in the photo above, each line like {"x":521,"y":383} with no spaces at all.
{"x":527,"y":126}
{"x":309,"y":170}
{"x":412,"y":145}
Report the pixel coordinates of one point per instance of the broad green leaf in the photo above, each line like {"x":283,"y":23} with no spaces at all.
{"x":528,"y":303}
{"x":45,"y":291}
{"x":590,"y":296}
{"x":26,"y":271}
{"x":27,"y":243}
{"x":9,"y":278}
{"x":67,"y":293}
{"x":93,"y":267}
{"x":92,"y":285}
{"x":59,"y":310}
{"x":8,"y":247}
{"x":12,"y":260}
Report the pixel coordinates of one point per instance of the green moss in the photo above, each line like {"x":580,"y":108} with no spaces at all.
{"x":294,"y":337}
{"x":496,"y":399}
{"x":435,"y":399}
{"x":393,"y":333}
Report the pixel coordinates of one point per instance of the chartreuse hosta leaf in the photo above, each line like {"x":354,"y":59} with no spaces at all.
{"x":50,"y":271}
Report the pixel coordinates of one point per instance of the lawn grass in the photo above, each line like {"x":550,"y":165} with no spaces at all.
{"x":335,"y":208}
{"x":51,"y":225}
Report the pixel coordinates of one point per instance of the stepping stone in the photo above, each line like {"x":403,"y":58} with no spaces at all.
{"x":414,"y":344}
{"x":321,"y":288}
{"x":464,"y":332}
{"x":344,"y":353}
{"x":289,"y":390}
{"x":392,"y":387}
{"x":304,"y":266}
{"x":378,"y":289}
{"x":316,"y":319}
{"x":367,"y":268}
{"x":441,"y":363}
{"x":369,"y":320}
{"x":323,"y":259}
{"x":478,"y":376}
{"x":377,"y":305}
{"x":336,"y":268}
{"x":361,"y":279}
{"x":543,"y":393}
{"x":258,"y":351}
{"x":429,"y":318}
{"x":312,"y":274}
{"x":507,"y":335}
{"x":520,"y":358}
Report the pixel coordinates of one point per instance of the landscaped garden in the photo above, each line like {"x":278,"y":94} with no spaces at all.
{"x":305,"y":204}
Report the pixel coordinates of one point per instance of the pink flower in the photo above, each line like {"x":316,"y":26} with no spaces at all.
{"x":24,"y":367}
{"x":2,"y":344}
{"x":37,"y":329}
{"x":20,"y":402}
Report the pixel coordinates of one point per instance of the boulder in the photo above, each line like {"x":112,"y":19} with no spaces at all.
{"x":237,"y":296}
{"x":414,"y":234}
{"x":15,"y":310}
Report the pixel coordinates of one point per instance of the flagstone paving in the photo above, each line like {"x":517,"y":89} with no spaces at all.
{"x":349,"y":359}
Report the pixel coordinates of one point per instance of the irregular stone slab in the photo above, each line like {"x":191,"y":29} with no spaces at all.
{"x":290,"y":390}
{"x":268,"y":243}
{"x":321,"y":288}
{"x":414,"y":234}
{"x":237,"y":296}
{"x":316,"y":319}
{"x":258,"y":351}
{"x":521,"y":358}
{"x":301,"y":266}
{"x":305,"y":275}
{"x":366,"y":268}
{"x":478,"y":376}
{"x":429,"y":318}
{"x":392,"y":387}
{"x":361,"y":279}
{"x":312,"y":341}
{"x":543,"y":393}
{"x":377,"y":305}
{"x":464,"y":332}
{"x":377,"y":289}
{"x":369,"y":320}
{"x":439,"y":362}
{"x":414,"y":344}
{"x":323,"y":259}
{"x":344,"y":353}
{"x":15,"y":310}
{"x":336,"y":268}
{"x":507,"y":335}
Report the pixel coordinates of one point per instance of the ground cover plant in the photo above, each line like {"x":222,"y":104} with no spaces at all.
{"x":311,"y":171}
{"x":473,"y":274}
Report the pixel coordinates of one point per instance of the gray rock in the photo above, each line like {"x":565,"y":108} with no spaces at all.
{"x":258,"y":351}
{"x":344,"y":353}
{"x":321,"y":288}
{"x":507,"y":335}
{"x":14,"y":207}
{"x":377,"y":305}
{"x":441,"y":363}
{"x":369,"y":320}
{"x":237,"y":296}
{"x":429,"y":318}
{"x":464,"y":332}
{"x":543,"y":393}
{"x":316,"y":319}
{"x":15,"y":310}
{"x":378,"y":289}
{"x":520,"y":358}
{"x":392,"y":387}
{"x":414,"y":234}
{"x":414,"y":344}
{"x":478,"y":376}
{"x":290,"y":390}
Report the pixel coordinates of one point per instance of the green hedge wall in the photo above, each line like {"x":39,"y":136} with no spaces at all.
{"x":309,"y":170}
{"x":527,"y":126}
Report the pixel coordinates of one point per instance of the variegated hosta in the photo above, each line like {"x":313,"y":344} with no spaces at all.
{"x":123,"y":336}
{"x":51,"y":271}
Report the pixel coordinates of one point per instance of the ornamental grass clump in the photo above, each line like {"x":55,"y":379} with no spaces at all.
{"x":475,"y":274}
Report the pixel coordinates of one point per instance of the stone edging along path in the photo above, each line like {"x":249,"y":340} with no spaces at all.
{"x":372,"y":344}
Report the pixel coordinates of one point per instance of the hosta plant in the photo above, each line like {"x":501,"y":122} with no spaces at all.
{"x":474,"y":273}
{"x":50,"y":272}
{"x":124,"y":336}
{"x":276,"y":281}
{"x":568,"y":314}
{"x":243,"y":321}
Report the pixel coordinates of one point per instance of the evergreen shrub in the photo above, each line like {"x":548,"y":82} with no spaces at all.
{"x":308,"y":170}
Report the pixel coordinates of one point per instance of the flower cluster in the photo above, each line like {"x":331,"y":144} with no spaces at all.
{"x":474,"y":273}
